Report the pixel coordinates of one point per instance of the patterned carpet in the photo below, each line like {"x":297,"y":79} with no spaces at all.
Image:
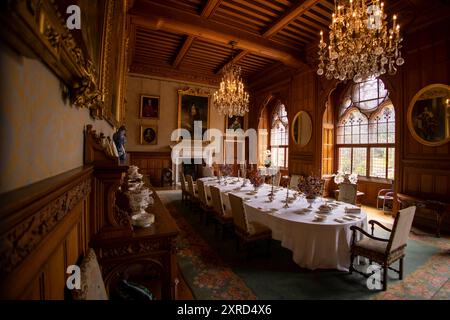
{"x":214,"y":270}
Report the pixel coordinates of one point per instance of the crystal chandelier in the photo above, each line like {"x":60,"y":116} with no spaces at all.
{"x":231,"y":99}
{"x":360,"y":44}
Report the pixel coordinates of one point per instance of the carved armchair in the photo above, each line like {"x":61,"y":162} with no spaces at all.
{"x":383,"y":251}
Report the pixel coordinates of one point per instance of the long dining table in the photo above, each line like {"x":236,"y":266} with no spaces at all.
{"x":315,"y":244}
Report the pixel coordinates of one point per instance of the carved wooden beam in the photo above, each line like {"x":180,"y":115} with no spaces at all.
{"x":183,"y":51}
{"x":207,"y":12}
{"x":241,"y":55}
{"x":158,"y":17}
{"x":210,"y":8}
{"x":290,"y":15}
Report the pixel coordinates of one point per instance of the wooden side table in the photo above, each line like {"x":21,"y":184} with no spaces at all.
{"x":438,"y":207}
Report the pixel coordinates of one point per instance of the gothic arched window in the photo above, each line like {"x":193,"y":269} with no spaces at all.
{"x":365,"y":137}
{"x":279,"y":137}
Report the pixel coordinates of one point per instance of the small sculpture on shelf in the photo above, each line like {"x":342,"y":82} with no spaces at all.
{"x":119,"y":140}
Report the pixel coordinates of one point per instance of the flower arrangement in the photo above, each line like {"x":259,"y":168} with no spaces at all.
{"x":225,"y":169}
{"x":256,"y":179}
{"x":268,"y":159}
{"x":311,"y":186}
{"x":342,"y":177}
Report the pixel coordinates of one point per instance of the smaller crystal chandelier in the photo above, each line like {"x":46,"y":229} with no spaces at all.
{"x":231,"y":99}
{"x":361,"y":45}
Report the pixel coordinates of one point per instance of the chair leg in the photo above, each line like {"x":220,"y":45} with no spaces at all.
{"x":385,"y":276}
{"x":352,"y":258}
{"x":400,"y":274}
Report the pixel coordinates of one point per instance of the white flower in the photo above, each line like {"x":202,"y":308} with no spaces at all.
{"x":353,"y":178}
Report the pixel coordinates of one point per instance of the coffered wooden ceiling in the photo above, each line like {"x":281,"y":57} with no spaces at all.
{"x":189,"y":39}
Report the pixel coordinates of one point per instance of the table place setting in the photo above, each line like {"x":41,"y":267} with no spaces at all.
{"x":352,"y":210}
{"x":339,"y":220}
{"x":324,"y":209}
{"x":320,"y":217}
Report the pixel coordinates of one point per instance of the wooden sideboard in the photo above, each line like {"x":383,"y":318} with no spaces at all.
{"x":151,"y":249}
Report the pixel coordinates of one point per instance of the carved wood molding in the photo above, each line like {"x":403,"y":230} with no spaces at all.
{"x":26,"y":235}
{"x":36,"y":28}
{"x":138,"y":247}
{"x":172,"y":73}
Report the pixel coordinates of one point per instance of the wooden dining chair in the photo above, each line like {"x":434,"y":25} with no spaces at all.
{"x":384,"y":251}
{"x":247,"y":232}
{"x":192,"y":188}
{"x":204,"y":200}
{"x":347,"y":193}
{"x":293,"y":181}
{"x":277,"y":179}
{"x":222,"y":214}
{"x":184,"y":189}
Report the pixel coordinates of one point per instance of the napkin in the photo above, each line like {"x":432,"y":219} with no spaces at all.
{"x":339,"y":220}
{"x":352,"y":210}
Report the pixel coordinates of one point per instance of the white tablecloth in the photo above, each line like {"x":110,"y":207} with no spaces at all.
{"x":315,"y":245}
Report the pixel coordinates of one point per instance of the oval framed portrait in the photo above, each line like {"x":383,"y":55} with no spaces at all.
{"x":429,"y":115}
{"x":149,"y":135}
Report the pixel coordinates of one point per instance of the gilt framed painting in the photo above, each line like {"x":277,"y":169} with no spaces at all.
{"x":149,"y":107}
{"x":429,"y":115}
{"x":193,"y":106}
{"x":234,"y":123}
{"x":149,"y":135}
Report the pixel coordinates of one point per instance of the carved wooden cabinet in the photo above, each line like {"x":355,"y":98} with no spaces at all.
{"x":142,"y":255}
{"x":149,"y":250}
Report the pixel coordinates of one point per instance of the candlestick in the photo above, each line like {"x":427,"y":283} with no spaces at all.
{"x":286,"y":205}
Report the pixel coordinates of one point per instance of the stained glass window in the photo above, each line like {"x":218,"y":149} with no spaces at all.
{"x":365,"y":133}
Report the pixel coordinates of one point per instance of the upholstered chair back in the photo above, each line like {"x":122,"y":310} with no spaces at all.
{"x":277,"y":179}
{"x":237,"y":208}
{"x":217,"y":200}
{"x":347,"y":192}
{"x":402,"y":227}
{"x":183,"y":182}
{"x":190,"y":182}
{"x":293,"y":182}
{"x":202,"y":192}
{"x":207,"y":171}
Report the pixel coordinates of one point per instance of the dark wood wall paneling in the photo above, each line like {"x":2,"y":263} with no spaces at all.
{"x":44,"y":228}
{"x":423,"y":171}
{"x":151,"y":164}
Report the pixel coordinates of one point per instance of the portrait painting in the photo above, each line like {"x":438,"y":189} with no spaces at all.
{"x":149,"y":107}
{"x":192,"y":107}
{"x":428,"y":115}
{"x":234,"y":123}
{"x":149,"y":135}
